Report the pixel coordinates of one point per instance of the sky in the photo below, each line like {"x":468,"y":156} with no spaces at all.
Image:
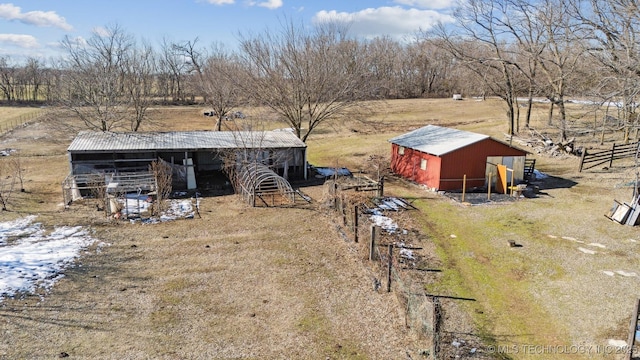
{"x":34,"y":28}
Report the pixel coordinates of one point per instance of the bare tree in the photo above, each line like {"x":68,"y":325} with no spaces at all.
{"x":95,"y":79}
{"x":306,"y":77}
{"x":172,"y":69}
{"x":16,"y":168}
{"x":483,"y":46}
{"x":34,"y":71}
{"x":162,"y":173}
{"x":217,"y":76}
{"x":559,"y":59}
{"x":614,"y":45}
{"x":7,"y":78}
{"x":429,"y":69}
{"x":139,"y":69}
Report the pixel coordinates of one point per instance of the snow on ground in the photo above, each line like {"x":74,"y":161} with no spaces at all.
{"x":135,"y":205}
{"x":32,"y":257}
{"x":379,"y":219}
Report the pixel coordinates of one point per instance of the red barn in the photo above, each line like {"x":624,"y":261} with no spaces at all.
{"x":440,"y":157}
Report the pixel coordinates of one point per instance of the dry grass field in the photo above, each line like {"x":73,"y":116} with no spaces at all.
{"x":283,"y":283}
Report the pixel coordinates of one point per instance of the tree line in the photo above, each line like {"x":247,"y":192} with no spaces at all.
{"x":518,"y":50}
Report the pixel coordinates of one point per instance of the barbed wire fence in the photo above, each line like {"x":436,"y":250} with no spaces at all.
{"x":21,"y":120}
{"x":399,"y":264}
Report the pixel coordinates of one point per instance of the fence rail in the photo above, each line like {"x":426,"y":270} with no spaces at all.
{"x":12,"y":123}
{"x":599,"y":157}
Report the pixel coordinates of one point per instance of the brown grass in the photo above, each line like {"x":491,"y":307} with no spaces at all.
{"x":282,"y":283}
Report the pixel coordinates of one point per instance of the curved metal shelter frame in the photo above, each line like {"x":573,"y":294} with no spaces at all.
{"x":258,"y":183}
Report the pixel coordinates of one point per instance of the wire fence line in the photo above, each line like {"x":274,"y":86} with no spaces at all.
{"x":388,"y":249}
{"x":21,"y":120}
{"x":380,"y":231}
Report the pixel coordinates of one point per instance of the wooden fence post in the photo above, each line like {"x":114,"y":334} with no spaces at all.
{"x":389,"y":265}
{"x":489,"y":186}
{"x":464,"y":186}
{"x":372,"y":242}
{"x":584,"y":153}
{"x":613,"y":151}
{"x":632,"y":331}
{"x":355,"y":223}
{"x":435,"y":319}
{"x":343,"y":210}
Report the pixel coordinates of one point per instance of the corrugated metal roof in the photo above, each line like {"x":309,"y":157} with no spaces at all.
{"x":437,"y":140}
{"x":183,"y":140}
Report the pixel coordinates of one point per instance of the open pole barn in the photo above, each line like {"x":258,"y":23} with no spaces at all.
{"x":197,"y":158}
{"x":442,"y":158}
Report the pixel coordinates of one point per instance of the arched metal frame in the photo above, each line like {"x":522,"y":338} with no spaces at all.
{"x":257,"y":182}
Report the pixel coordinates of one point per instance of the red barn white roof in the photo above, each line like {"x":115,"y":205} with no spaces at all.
{"x":437,"y":140}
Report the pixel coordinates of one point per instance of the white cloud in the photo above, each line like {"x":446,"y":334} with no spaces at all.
{"x":221,"y":2}
{"x":38,"y":18}
{"x":396,"y":21}
{"x":23,"y":41}
{"x":271,"y":4}
{"x":428,"y":4}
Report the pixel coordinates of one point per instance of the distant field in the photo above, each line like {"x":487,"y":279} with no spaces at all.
{"x":283,"y":283}
{"x":11,"y":117}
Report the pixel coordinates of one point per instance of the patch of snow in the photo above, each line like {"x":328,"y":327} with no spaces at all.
{"x":453,"y":236}
{"x":626,"y":274}
{"x":569,"y":238}
{"x":407,"y":254}
{"x":384,"y":222}
{"x":610,"y":273}
{"x":178,"y":209}
{"x":17,"y":228}
{"x":37,"y":260}
{"x":586,"y":251}
{"x":617,"y":343}
{"x":552,"y":236}
{"x":597,"y":245}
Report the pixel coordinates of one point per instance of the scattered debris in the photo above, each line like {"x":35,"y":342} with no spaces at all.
{"x":329,"y":171}
{"x":7,"y":152}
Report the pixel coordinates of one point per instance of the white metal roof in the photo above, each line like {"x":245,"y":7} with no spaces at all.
{"x":437,"y":140}
{"x":92,"y":141}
